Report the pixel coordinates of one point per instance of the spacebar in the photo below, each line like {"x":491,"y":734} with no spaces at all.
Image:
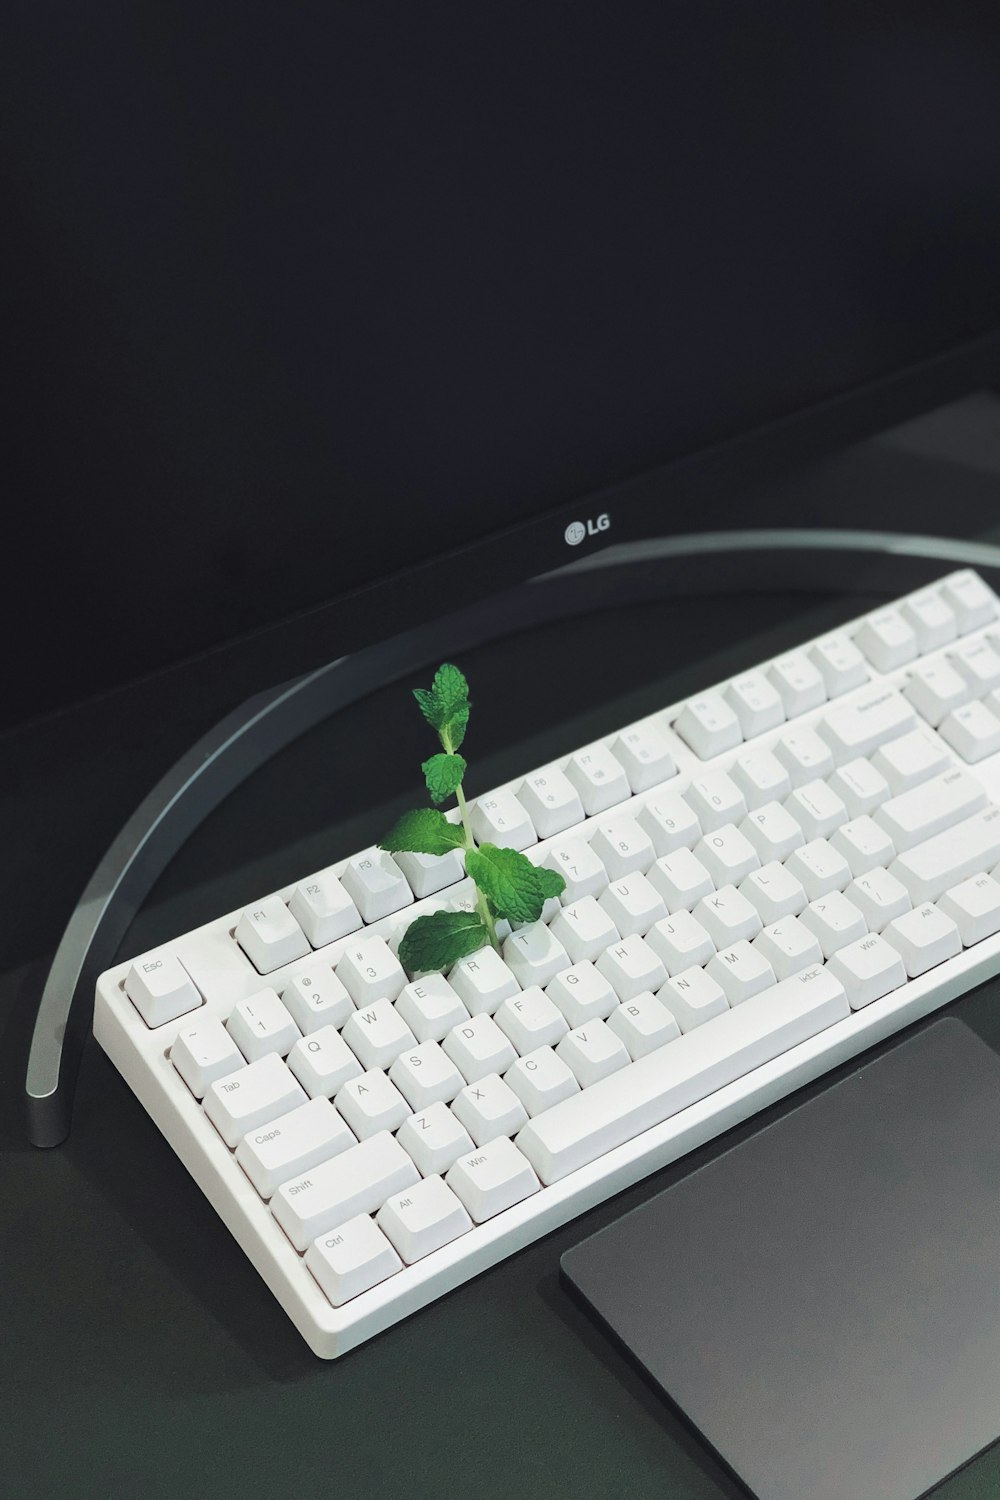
{"x":644,"y":1093}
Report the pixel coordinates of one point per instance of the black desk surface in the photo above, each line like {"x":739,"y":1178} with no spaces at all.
{"x":141,"y":1353}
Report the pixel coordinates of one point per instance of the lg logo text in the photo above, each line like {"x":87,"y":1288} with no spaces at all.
{"x":577,"y":530}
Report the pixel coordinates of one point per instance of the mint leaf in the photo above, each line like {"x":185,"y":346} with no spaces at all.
{"x":450,"y":689}
{"x":428,"y":706}
{"x":443,"y":773}
{"x":551,"y":882}
{"x":508,"y":880}
{"x":445,"y":705}
{"x":441,"y":939}
{"x":453,"y":730}
{"x":423,"y":831}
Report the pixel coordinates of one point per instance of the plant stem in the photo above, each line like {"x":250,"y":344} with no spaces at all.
{"x":470,"y":844}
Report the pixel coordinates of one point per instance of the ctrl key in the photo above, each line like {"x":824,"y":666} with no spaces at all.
{"x":352,"y":1259}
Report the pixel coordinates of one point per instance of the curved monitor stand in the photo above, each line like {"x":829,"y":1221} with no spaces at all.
{"x":630,"y":573}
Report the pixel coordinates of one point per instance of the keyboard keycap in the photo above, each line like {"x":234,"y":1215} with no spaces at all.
{"x":680,"y":941}
{"x":804,"y":755}
{"x":377,"y":1034}
{"x":742,"y":971}
{"x":493,"y":1178}
{"x":887,"y":640}
{"x":376,"y":884}
{"x":727,"y":854}
{"x":863,"y":844}
{"x":923,"y":937}
{"x":817,"y":810}
{"x":974,"y":907}
{"x":908,"y":761}
{"x":643,"y":1024}
{"x":592,"y":1052}
{"x":858,"y":728}
{"x":203,"y":1051}
{"x":645,"y":1093}
{"x":972,"y":731}
{"x":860,"y":785}
{"x":935,"y":805}
{"x":579,"y":866}
{"x":358,"y":1181}
{"x":971,"y":600}
{"x":934,"y":689}
{"x":717,"y":800}
{"x":426,"y":874}
{"x":932,"y":619}
{"x":291,"y":1144}
{"x":252,"y":1096}
{"x":584,"y":929}
{"x":434,"y":1139}
{"x":761,"y":777}
{"x":774,"y":891}
{"x":633,"y":904}
{"x":499,"y":818}
{"x":728,"y":916}
{"x":773,"y":832}
{"x":631,"y":966}
{"x":756,"y":703}
{"x":478,"y":1047}
{"x":430,"y":1007}
{"x":708,"y":725}
{"x":317,"y":999}
{"x":582,"y":994}
{"x":160,"y":988}
{"x":531,"y":1020}
{"x":489,"y":1108}
{"x":799,"y":684}
{"x":323,"y":1063}
{"x":534,"y":955}
{"x":599,"y":779}
{"x":681,"y":879}
{"x":645,"y":757}
{"x":261,"y":1025}
{"x":369,"y":971}
{"x":422,"y":1219}
{"x":551,"y":801}
{"x":835,"y":921}
{"x":541,"y":1079}
{"x":670,"y":823}
{"x":425,"y":1075}
{"x":820,"y":868}
{"x":482,"y":980}
{"x":879,"y":897}
{"x":868,"y":968}
{"x":622,"y":846}
{"x":351,"y":1260}
{"x":371,"y":1103}
{"x":789,"y":947}
{"x":270,"y":936}
{"x":693,"y":997}
{"x":323,"y":909}
{"x":840,"y":664}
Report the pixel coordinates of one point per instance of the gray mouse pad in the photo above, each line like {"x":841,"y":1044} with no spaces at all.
{"x":822,"y":1302}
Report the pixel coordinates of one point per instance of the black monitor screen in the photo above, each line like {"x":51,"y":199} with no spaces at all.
{"x":296,"y":296}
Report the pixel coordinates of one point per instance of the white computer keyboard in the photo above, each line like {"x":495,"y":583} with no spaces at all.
{"x":760,"y":882}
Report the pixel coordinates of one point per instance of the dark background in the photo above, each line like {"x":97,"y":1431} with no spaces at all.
{"x":295,"y":297}
{"x":292,"y":297}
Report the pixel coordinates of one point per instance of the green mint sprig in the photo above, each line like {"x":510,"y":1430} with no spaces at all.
{"x":508,"y":886}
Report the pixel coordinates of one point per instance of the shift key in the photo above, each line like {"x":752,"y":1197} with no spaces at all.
{"x":358,"y":1181}
{"x":967,"y":848}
